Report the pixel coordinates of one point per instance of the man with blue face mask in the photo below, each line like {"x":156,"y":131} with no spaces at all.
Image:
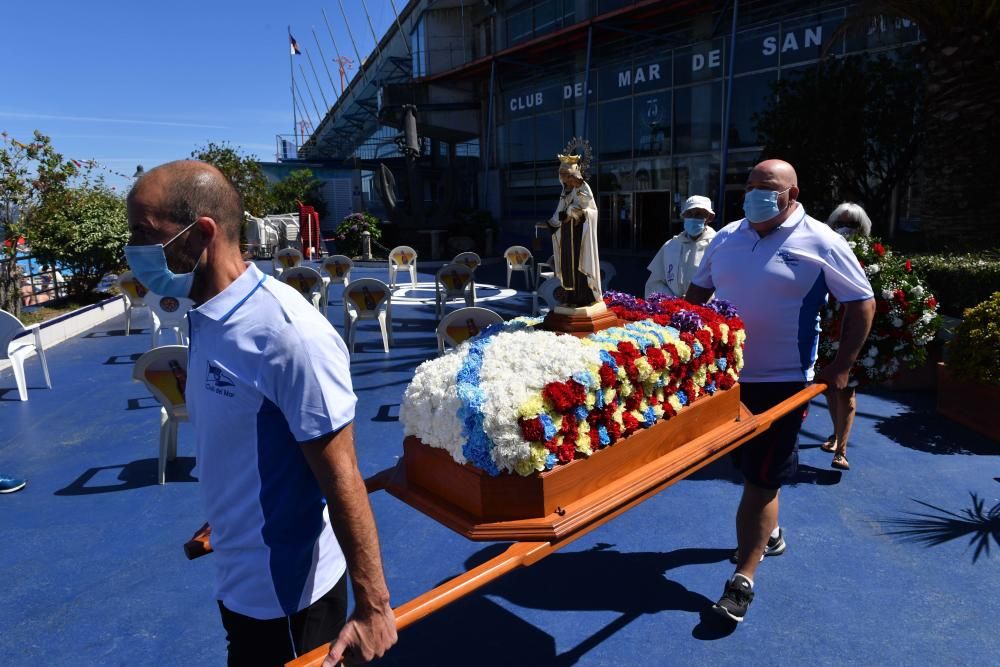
{"x":269,"y":397}
{"x":674,"y":265}
{"x":777,"y":265}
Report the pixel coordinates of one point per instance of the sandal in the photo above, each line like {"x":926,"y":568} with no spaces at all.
{"x":830,"y":446}
{"x":840,"y":462}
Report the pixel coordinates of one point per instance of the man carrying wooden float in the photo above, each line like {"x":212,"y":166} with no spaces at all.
{"x":269,"y":395}
{"x":776,"y":267}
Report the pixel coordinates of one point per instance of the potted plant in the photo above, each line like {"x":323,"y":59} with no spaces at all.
{"x":969,"y":383}
{"x":348,"y":235}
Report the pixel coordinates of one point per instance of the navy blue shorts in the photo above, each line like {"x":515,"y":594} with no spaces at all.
{"x":771,"y":460}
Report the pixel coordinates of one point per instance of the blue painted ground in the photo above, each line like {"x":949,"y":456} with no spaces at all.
{"x":92,"y":570}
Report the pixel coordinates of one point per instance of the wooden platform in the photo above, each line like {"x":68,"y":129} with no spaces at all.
{"x":554,"y":503}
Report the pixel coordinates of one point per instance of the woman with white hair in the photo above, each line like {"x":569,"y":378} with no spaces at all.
{"x":847,"y":220}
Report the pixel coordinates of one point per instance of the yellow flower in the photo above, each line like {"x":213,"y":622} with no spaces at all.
{"x":645,"y":368}
{"x":538,"y":456}
{"x":675,"y":402}
{"x":532,"y":407}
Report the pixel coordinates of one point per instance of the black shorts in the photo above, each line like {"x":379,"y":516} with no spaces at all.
{"x":276,"y":641}
{"x":771,"y":460}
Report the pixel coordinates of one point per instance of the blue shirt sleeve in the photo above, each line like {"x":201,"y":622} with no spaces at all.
{"x":845,"y":278}
{"x":308,"y":376}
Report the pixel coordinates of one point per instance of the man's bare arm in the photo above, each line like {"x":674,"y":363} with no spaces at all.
{"x":698,"y":295}
{"x":858,"y":316}
{"x":371,"y":629}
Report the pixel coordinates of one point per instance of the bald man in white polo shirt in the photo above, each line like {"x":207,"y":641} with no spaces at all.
{"x":776,"y":266}
{"x":270,"y":399}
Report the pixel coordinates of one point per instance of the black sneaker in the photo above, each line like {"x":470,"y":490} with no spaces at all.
{"x":735,"y":599}
{"x":775,"y":547}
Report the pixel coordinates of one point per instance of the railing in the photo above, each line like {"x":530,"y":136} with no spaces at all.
{"x":39,"y":286}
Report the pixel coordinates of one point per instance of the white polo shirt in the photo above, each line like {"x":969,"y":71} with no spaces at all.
{"x":266,"y":371}
{"x":778,"y":284}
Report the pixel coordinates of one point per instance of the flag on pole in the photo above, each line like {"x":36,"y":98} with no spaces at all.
{"x":294,"y":46}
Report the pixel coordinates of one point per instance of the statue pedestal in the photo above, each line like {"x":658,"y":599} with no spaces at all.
{"x":580,"y":322}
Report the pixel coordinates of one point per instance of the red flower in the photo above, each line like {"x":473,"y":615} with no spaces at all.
{"x":565,"y":452}
{"x":879,"y":249}
{"x":656,"y":358}
{"x":607,"y":376}
{"x":908,"y":266}
{"x":931,"y":302}
{"x":631,"y":423}
{"x":565,"y":395}
{"x":532,"y":430}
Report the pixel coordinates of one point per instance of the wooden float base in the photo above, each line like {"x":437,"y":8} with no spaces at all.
{"x":580,"y":322}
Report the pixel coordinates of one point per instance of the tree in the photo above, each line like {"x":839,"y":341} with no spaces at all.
{"x":242,"y":170}
{"x":30,"y":175}
{"x":86,"y":233}
{"x":851,"y":127}
{"x":298,"y":186}
{"x":960,"y":53}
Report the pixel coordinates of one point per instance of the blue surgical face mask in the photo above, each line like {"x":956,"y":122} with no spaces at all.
{"x":762,"y":205}
{"x":694,"y":226}
{"x":149,"y":264}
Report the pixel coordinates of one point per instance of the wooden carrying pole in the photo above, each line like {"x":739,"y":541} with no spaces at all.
{"x":525,"y":554}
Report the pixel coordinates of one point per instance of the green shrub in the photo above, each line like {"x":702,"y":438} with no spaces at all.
{"x":974,"y":351}
{"x":960,"y":281}
{"x":348,"y":234}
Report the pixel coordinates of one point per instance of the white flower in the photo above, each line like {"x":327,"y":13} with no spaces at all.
{"x":897,"y":322}
{"x":917,"y":291}
{"x":868,"y":362}
{"x":873,"y":351}
{"x":887,"y":294}
{"x":835,"y":345}
{"x":872,"y":269}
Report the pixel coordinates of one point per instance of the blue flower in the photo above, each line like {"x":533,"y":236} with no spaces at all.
{"x":606,"y":358}
{"x":602,"y":431}
{"x":682,"y":397}
{"x":599,"y":403}
{"x":721,"y":363}
{"x":581,"y":413}
{"x":650,"y":417}
{"x":547,"y":425}
{"x":698,"y":349}
{"x":551,"y":461}
{"x":711,"y":388}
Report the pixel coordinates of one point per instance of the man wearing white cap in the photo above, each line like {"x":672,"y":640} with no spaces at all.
{"x":671,"y":270}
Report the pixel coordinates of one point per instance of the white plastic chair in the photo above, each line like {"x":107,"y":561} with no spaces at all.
{"x":334,"y":267}
{"x":470,"y":259}
{"x":166,"y":384}
{"x":403,"y":258}
{"x":284,"y":259}
{"x":18,"y":350}
{"x":454,"y":281}
{"x":545,"y":270}
{"x":519,"y":259}
{"x":134,"y":294}
{"x":169,"y":315}
{"x":307,"y":281}
{"x":608,"y":272}
{"x":368,"y":299}
{"x":546,"y":292}
{"x":459,"y":325}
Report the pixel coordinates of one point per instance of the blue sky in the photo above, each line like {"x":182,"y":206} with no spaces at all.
{"x":128,"y":83}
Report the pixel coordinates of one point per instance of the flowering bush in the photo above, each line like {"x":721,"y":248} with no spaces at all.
{"x":348,"y":233}
{"x":974,"y":352}
{"x":906,"y":317}
{"x":519,"y":399}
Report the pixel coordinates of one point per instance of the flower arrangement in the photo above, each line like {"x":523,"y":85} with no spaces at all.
{"x":348,"y":233}
{"x":906,"y":317}
{"x":974,"y":351}
{"x":517,"y":399}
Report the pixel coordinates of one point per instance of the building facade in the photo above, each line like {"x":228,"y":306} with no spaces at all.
{"x":502,"y":86}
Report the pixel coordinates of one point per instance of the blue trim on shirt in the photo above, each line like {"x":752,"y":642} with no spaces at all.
{"x":292,"y":505}
{"x":243,"y":300}
{"x":809,"y":329}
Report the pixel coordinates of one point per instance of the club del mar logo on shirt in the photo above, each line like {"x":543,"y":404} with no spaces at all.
{"x":217,"y":381}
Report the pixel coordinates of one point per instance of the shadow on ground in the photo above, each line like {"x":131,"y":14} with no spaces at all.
{"x":938,"y":526}
{"x":134,"y":475}
{"x":631,"y":584}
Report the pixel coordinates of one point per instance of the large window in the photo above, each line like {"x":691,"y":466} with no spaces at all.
{"x":521,"y":134}
{"x":615,"y":136}
{"x":697,"y":118}
{"x":538,"y":18}
{"x":751,"y":96}
{"x":652,"y":124}
{"x":418,"y":49}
